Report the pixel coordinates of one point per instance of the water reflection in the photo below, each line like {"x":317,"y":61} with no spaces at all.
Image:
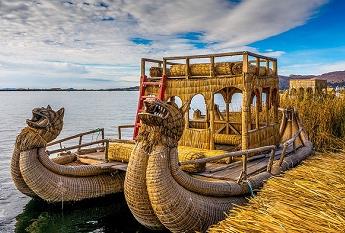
{"x":108,"y":214}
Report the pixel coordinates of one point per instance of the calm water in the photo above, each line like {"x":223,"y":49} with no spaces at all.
{"x":83,"y":111}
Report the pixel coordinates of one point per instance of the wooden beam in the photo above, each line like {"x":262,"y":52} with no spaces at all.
{"x":229,"y":154}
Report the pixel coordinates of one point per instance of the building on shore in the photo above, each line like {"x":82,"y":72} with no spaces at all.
{"x":302,"y":87}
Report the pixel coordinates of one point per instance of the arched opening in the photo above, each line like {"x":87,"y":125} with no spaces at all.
{"x":176,"y":100}
{"x":274,"y":104}
{"x":266,"y":105}
{"x":197,"y":113}
{"x":293,"y":91}
{"x":219,"y":107}
{"x":236,"y":102}
{"x":256,"y":108}
{"x":227,"y":123}
{"x":301,"y":92}
{"x":309,"y":92}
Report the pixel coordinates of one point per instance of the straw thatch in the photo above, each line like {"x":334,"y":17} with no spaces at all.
{"x":306,"y":199}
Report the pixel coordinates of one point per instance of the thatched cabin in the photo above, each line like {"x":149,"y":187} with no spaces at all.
{"x":252,"y":76}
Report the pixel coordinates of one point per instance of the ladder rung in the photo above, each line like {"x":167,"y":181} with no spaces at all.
{"x":148,"y":96}
{"x":151,"y":83}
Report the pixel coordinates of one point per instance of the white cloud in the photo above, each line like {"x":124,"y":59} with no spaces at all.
{"x":75,"y":38}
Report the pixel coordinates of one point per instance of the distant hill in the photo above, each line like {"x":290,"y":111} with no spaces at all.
{"x":135,"y":88}
{"x":335,"y":78}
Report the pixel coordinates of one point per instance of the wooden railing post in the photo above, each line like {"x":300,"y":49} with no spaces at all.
{"x":164,"y":67}
{"x":187,"y":68}
{"x":245,"y":63}
{"x":212,"y":71}
{"x":258,"y":66}
{"x":142,"y":67}
{"x":211,"y":122}
{"x":275,"y":68}
{"x":270,"y":161}
{"x":80,"y":141}
{"x":106,"y":156}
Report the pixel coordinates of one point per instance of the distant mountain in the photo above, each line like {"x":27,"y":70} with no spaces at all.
{"x":135,"y":88}
{"x":335,"y":78}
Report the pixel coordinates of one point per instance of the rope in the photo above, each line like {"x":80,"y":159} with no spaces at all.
{"x":250,"y":188}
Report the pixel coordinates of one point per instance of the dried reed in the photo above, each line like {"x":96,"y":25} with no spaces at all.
{"x":309,"y":198}
{"x":323,"y":118}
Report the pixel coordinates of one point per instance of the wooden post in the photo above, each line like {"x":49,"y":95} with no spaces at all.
{"x":257,"y":112}
{"x":245,"y":116}
{"x":106,"y":157}
{"x":186,"y":116}
{"x":227,"y":117}
{"x":142,"y":67}
{"x":244,"y":166}
{"x":258,"y":66}
{"x":267,"y":67}
{"x":164,"y":67}
{"x":211,"y":122}
{"x":245,"y":63}
{"x":212,"y":71}
{"x":187,"y":68}
{"x":268,"y":96}
{"x":271,"y":160}
{"x":275,"y":68}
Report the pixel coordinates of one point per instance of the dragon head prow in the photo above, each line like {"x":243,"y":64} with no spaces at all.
{"x":44,"y":126}
{"x":44,"y":117}
{"x":162,"y":120}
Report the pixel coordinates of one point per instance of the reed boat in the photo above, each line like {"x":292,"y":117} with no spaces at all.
{"x":79,"y":171}
{"x":190,"y":165}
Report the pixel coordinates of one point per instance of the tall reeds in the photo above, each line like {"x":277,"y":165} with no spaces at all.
{"x":323,"y":118}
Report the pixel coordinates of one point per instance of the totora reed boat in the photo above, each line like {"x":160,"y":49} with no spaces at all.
{"x":188,"y":168}
{"x":194,"y":153}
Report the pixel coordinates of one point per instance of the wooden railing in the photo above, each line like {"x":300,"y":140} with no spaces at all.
{"x":80,"y":145}
{"x":120,"y":127}
{"x":187,"y":59}
{"x":242,"y":153}
{"x":288,"y":143}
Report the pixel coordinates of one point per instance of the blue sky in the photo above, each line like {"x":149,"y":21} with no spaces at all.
{"x":99,"y":43}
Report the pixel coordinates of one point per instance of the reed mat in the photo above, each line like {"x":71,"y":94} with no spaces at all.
{"x":310,"y":198}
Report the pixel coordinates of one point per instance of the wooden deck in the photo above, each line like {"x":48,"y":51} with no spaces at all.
{"x":214,"y":171}
{"x":98,"y":159}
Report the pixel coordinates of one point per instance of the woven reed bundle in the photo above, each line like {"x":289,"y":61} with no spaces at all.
{"x":306,"y":199}
{"x":158,"y":71}
{"x":201,"y":69}
{"x":121,"y":152}
{"x":118,"y":151}
{"x":190,"y":155}
{"x":199,"y":139}
{"x":228,"y":139}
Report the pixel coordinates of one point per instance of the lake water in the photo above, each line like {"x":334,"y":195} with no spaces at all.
{"x":83,"y":111}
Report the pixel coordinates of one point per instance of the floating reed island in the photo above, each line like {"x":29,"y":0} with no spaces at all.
{"x":309,"y":198}
{"x":185,"y":166}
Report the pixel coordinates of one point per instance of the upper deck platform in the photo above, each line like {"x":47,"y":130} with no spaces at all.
{"x":209,"y":66}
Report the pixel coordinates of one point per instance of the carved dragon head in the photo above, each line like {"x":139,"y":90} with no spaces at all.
{"x":161,"y":121}
{"x":44,"y":126}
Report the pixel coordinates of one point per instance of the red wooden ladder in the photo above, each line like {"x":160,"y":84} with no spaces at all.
{"x":160,"y":95}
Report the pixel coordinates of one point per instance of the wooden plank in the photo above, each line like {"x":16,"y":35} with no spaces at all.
{"x":121,"y":167}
